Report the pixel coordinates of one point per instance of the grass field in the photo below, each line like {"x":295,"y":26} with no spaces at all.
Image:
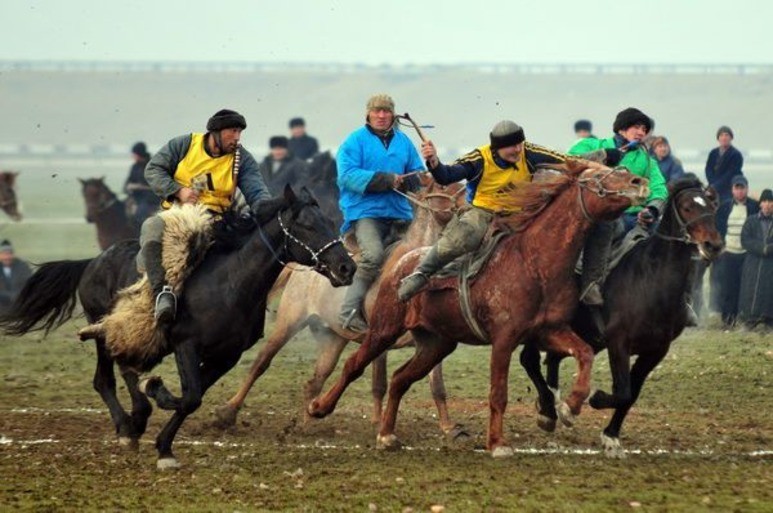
{"x":700,"y":439}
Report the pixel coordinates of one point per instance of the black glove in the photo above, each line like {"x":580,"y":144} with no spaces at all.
{"x":614,"y":156}
{"x":381,"y":182}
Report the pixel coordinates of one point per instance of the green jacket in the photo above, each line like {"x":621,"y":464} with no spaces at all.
{"x":638,"y":162}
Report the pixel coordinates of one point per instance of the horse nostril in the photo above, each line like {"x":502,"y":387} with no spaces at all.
{"x":636,"y":180}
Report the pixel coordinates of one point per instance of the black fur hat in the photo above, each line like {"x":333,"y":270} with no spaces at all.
{"x":583,"y":124}
{"x":767,"y":195}
{"x":297,"y":122}
{"x":629,"y":117}
{"x":225,"y":118}
{"x":278,"y":141}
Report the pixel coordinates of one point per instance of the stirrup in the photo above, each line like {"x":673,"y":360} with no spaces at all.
{"x":162,"y":312}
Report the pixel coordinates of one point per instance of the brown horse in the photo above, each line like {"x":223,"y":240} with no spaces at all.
{"x":525,"y":291}
{"x":308,"y":301}
{"x":107,"y":212}
{"x":8,"y":195}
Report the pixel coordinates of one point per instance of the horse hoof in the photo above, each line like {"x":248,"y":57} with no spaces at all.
{"x":145,"y":385}
{"x":503,"y":451}
{"x":315,"y":411}
{"x":566,"y":415}
{"x":133,"y":444}
{"x":388,"y":443}
{"x":169,"y":463}
{"x":612,"y":447}
{"x":545,"y":423}
{"x":457,"y":432}
{"x":225,"y":416}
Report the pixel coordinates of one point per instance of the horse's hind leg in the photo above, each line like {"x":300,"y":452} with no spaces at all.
{"x":437,"y":387}
{"x":430,"y":351}
{"x":104,"y":384}
{"x":378,"y":385}
{"x":546,"y":407}
{"x":331,"y":345}
{"x":567,"y":342}
{"x":141,"y":407}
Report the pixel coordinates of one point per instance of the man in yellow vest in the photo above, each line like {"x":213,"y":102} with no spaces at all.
{"x":489,"y":171}
{"x":204,"y":168}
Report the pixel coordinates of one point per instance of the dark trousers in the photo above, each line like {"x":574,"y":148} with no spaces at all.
{"x":727,"y":279}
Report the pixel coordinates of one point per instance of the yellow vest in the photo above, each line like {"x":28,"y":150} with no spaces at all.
{"x":212,"y":177}
{"x":495,"y":181}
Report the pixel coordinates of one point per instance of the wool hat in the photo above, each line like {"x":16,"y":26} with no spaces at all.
{"x":767,"y":195}
{"x":583,"y":124}
{"x":630,"y":117}
{"x":380,"y":101}
{"x":278,"y":141}
{"x":6,"y":247}
{"x":225,"y":118}
{"x":506,"y":133}
{"x":297,"y":122}
{"x":740,"y":180}
{"x":140,"y":149}
{"x":725,"y":130}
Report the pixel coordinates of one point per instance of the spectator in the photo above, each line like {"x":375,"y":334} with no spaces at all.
{"x":756,"y":298}
{"x":280,"y":167}
{"x":136,"y":187}
{"x":583,"y":129}
{"x":670,"y":166}
{"x":301,"y":144}
{"x":15,"y":274}
{"x":724,"y":162}
{"x":726,"y":278}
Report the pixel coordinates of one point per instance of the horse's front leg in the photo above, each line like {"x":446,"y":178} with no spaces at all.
{"x":546,"y":401}
{"x":501,"y":354}
{"x":620,"y":366}
{"x":104,"y":384}
{"x":567,"y":342}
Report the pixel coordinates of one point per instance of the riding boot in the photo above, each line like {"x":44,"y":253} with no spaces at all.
{"x":416,"y":281}
{"x":351,"y":316}
{"x":166,"y":302}
{"x":594,"y":263}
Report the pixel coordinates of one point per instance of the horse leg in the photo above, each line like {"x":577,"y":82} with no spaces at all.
{"x":141,"y":407}
{"x":430,"y":351}
{"x":377,"y":340}
{"x":331,"y":345}
{"x":610,"y":437}
{"x":567,"y":342}
{"x":501,"y":354}
{"x":437,"y":386}
{"x":104,"y":384}
{"x":378,"y":385}
{"x":546,"y":401}
{"x":620,"y":366}
{"x":225,"y":415}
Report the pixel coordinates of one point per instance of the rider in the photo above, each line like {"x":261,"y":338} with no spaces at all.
{"x":624,"y":148}
{"x":196,"y":168}
{"x":372,"y":163}
{"x":489,"y":170}
{"x":137,"y":187}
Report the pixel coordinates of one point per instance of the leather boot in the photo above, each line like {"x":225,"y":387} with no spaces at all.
{"x":351,"y":316}
{"x":166,"y":301}
{"x":416,"y":281}
{"x":594,"y":263}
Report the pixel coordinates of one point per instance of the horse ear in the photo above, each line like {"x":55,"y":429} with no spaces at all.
{"x":711,"y":194}
{"x":289,"y":194}
{"x":82,"y":181}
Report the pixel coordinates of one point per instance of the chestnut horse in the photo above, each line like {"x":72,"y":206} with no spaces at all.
{"x":643,"y":310}
{"x":8,"y":201}
{"x":525,"y":291}
{"x":310,"y":301}
{"x":107,"y":212}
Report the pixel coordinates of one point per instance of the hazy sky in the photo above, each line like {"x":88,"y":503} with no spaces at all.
{"x":393,"y":32}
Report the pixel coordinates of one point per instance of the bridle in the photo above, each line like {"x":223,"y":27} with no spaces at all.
{"x":684,"y":233}
{"x":106,"y":200}
{"x":595,"y":184}
{"x":288,"y":236}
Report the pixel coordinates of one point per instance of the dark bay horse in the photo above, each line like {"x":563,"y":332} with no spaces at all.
{"x":309,"y":301}
{"x":8,"y":202}
{"x":107,"y":212}
{"x":525,"y":290}
{"x":220,"y":314}
{"x":643,"y":310}
{"x":320,"y":179}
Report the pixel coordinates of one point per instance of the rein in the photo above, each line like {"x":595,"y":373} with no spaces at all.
{"x":424,"y":203}
{"x":684,"y":234}
{"x":598,"y":189}
{"x":318,"y":264}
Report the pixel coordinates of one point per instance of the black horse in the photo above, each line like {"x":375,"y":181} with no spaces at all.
{"x":220,"y":314}
{"x":643,"y":310}
{"x":321,"y":176}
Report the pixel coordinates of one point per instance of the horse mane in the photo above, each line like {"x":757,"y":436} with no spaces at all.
{"x":533,"y":197}
{"x":686,"y":182}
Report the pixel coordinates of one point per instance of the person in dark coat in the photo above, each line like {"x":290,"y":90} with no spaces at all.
{"x":146,"y":202}
{"x":726,"y":275}
{"x":756,"y":299}
{"x":281,"y":167}
{"x":301,"y":144}
{"x":15,"y":273}
{"x":724,"y":162}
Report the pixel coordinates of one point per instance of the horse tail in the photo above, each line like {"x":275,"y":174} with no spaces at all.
{"x":47,"y":299}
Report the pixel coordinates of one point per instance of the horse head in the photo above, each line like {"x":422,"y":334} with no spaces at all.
{"x":605,"y":192}
{"x":311,"y":238}
{"x":97,"y":195}
{"x":690,"y":216}
{"x":8,"y":200}
{"x":443,"y":201}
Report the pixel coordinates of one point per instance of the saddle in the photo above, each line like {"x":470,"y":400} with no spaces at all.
{"x":622,"y":244}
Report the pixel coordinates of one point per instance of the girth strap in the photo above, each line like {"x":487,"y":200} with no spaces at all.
{"x":465,"y":304}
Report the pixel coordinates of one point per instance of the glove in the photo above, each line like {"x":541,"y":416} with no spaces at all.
{"x":647,"y":216}
{"x":614,"y":156}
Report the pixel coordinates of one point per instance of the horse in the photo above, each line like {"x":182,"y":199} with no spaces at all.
{"x":321,"y":176}
{"x":643,"y":308}
{"x":523,"y":291}
{"x":8,"y":200}
{"x":107,"y":212}
{"x":220,"y":314}
{"x":309,"y":301}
